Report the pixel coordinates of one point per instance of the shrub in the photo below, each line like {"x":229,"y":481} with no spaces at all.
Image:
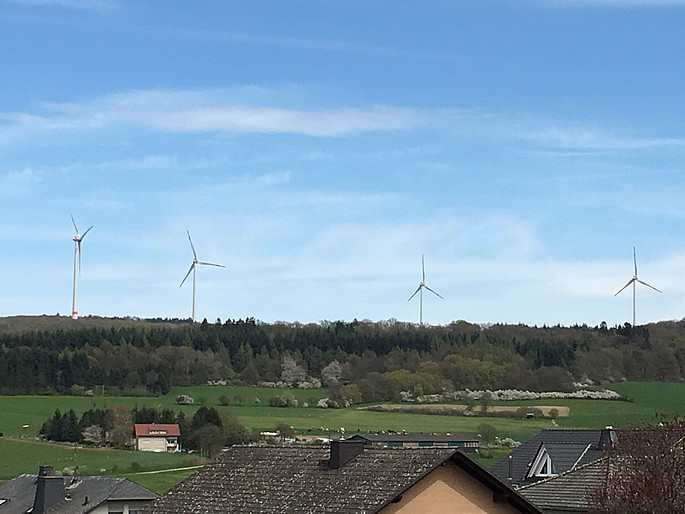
{"x":184,"y":399}
{"x":487,"y":433}
{"x":285,"y":430}
{"x":283,"y":400}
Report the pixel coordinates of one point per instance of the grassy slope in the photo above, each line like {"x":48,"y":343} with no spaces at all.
{"x":34,"y":410}
{"x":23,"y":456}
{"x":159,"y":482}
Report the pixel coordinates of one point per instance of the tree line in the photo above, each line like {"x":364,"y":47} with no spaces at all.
{"x":206,"y":431}
{"x":361,"y":360}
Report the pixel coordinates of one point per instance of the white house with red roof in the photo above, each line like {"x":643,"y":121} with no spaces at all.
{"x":157,"y":437}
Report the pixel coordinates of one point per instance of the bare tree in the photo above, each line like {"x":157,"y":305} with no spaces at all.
{"x":644,"y":472}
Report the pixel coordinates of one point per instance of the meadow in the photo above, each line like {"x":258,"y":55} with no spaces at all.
{"x":20,"y":452}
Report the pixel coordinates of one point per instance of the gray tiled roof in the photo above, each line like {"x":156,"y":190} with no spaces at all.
{"x":20,"y":493}
{"x":567,"y":445}
{"x":567,"y":455}
{"x":568,"y":491}
{"x":259,"y":479}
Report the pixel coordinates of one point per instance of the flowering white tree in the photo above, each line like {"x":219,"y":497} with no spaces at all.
{"x":291,"y":372}
{"x":331,"y":375}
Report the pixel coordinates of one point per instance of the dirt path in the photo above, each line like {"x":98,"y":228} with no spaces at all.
{"x":562,"y":411}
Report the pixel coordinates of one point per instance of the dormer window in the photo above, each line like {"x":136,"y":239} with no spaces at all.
{"x":542,"y":466}
{"x":546,"y":468}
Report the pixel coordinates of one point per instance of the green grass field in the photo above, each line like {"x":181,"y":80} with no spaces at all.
{"x":23,"y":455}
{"x":19,"y":456}
{"x":159,"y":482}
{"x":17,"y":411}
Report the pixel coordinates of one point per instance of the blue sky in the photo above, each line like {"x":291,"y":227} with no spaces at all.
{"x":317,"y":149}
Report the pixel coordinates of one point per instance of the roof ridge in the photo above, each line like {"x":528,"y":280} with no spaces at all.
{"x":567,"y":472}
{"x":572,"y":429}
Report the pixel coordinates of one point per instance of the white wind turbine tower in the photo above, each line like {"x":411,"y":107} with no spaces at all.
{"x":193,"y":269}
{"x":422,"y":286}
{"x":77,"y":266}
{"x":634,"y":281}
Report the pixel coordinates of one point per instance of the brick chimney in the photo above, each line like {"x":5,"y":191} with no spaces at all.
{"x":343,"y":452}
{"x":49,"y":490}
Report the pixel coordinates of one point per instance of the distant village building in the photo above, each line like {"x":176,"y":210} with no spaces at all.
{"x":51,"y":494}
{"x":155,"y":437}
{"x":347,"y":477}
{"x":417,"y":441}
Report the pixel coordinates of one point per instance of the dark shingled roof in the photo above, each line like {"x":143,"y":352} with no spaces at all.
{"x":268,"y":479}
{"x":569,"y":491}
{"x":20,"y":493}
{"x":566,"y":456}
{"x":565,"y":447}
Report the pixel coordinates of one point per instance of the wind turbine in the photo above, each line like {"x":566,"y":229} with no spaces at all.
{"x":193,"y":269}
{"x":634,"y":281}
{"x":77,"y":266}
{"x":419,"y":290}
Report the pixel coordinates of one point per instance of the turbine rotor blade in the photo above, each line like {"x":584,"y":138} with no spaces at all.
{"x":423,"y":269}
{"x":191,"y":245}
{"x":187,"y":274}
{"x":417,"y":290}
{"x":646,"y":284}
{"x":75,"y":227}
{"x":629,"y":282}
{"x":436,"y":294}
{"x":634,"y":262}
{"x":84,"y":234}
{"x":78,"y":245}
{"x":211,"y":264}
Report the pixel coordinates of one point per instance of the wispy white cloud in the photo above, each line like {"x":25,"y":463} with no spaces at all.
{"x":257,"y":111}
{"x":193,"y":112}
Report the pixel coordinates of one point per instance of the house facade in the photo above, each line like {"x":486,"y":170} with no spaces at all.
{"x":155,"y":437}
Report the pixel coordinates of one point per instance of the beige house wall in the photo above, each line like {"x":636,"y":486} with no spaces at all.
{"x":152,"y":444}
{"x":448,"y":490}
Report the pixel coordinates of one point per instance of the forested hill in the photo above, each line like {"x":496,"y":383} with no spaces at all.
{"x":373,"y":360}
